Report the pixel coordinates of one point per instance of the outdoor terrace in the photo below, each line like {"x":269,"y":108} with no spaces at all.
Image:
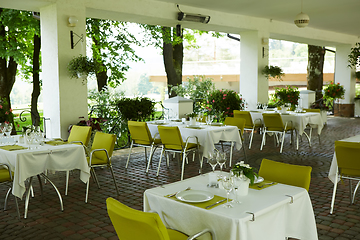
{"x":90,"y":221}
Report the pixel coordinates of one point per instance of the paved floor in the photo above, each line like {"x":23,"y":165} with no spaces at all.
{"x":90,"y":221}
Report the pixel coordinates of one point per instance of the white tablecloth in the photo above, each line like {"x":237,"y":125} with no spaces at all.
{"x":27,"y":163}
{"x":300,"y":120}
{"x":275,"y":217}
{"x":207,"y":135}
{"x":334,"y":167}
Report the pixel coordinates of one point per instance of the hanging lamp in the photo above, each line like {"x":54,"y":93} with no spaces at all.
{"x":302,"y":19}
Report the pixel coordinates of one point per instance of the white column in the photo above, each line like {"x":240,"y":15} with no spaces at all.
{"x":254,"y":55}
{"x":65,"y":99}
{"x":344,"y":74}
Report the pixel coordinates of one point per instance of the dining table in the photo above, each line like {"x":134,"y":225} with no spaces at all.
{"x":27,"y":161}
{"x":275,"y":212}
{"x":207,"y":135}
{"x":301,"y":121}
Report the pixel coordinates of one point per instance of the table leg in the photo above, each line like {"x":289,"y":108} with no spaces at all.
{"x":57,"y":191}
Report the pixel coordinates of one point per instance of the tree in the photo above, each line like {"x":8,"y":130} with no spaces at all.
{"x":111,"y":49}
{"x":316,"y":56}
{"x":16,"y":38}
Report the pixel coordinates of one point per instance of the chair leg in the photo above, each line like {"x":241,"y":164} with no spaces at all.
{"x":350,"y":190}
{"x":183,"y":165}
{"x":150,"y":157}
{"x":243,"y":147}
{"x":231,"y":152}
{"x":87,"y":191}
{"x":251,"y":138}
{"x":356,"y":188}
{"x":95,"y":177}
{"x":67,"y":183}
{"x":162,"y":152}
{"x":127,"y":162}
{"x":282,"y":142}
{"x":334,"y":194}
{"x":6,"y":199}
{"x":263,"y":140}
{"x":113,"y":176}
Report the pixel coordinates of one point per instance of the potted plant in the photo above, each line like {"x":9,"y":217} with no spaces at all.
{"x":272,"y":71}
{"x":245,"y":175}
{"x":81,"y":67}
{"x":287,"y":95}
{"x":354,"y":56}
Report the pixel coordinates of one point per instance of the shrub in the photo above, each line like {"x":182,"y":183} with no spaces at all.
{"x":136,"y":108}
{"x":334,"y":91}
{"x":287,"y":95}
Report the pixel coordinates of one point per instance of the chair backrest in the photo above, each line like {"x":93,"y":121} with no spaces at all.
{"x":80,"y":133}
{"x":4,"y":173}
{"x":171,"y":137}
{"x":273,"y":122}
{"x":312,"y":110}
{"x":140,"y":132}
{"x":131,"y":224}
{"x":103,"y":141}
{"x":244,"y":115}
{"x":238,"y":122}
{"x":294,"y":175}
{"x":347,"y":156}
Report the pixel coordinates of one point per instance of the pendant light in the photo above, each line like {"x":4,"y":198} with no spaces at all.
{"x":302,"y":19}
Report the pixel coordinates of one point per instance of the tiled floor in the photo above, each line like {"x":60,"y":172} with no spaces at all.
{"x":90,"y":221}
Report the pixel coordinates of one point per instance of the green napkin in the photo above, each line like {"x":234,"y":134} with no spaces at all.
{"x":56,"y":142}
{"x":13,"y":147}
{"x":262,"y":186}
{"x":203,"y":204}
{"x":194,"y":127}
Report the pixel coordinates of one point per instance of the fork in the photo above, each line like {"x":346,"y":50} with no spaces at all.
{"x":265,"y":184}
{"x":171,"y":195}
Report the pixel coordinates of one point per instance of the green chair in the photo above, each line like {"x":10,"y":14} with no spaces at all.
{"x":347,"y":157}
{"x":141,"y":137}
{"x":312,"y":126}
{"x":7,"y":176}
{"x":250,"y":125}
{"x":284,"y":173}
{"x":273,"y":124}
{"x":131,"y":224}
{"x":78,"y":135}
{"x":172,"y":142}
{"x":100,"y":156}
{"x":240,"y":124}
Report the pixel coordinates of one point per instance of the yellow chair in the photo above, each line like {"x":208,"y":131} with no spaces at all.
{"x":294,"y":175}
{"x":273,"y":124}
{"x":131,"y":224}
{"x":100,"y":156}
{"x":250,"y":125}
{"x":240,"y":124}
{"x":7,"y":176}
{"x":141,"y":137}
{"x":347,"y":157}
{"x":78,"y":135}
{"x":173,"y":142}
{"x":311,"y":126}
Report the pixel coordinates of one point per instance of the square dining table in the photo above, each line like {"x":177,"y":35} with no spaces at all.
{"x":271,"y":213}
{"x":207,"y":135}
{"x":26,"y":162}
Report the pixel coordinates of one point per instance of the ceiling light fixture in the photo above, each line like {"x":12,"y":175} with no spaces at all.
{"x":192,"y":17}
{"x":302,"y":19}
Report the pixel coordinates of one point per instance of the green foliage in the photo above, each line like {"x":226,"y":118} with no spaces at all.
{"x":272,"y":71}
{"x":6,"y":114}
{"x":197,"y":90}
{"x":287,"y":95}
{"x":111,"y":47}
{"x":135,"y":108}
{"x":334,"y":91}
{"x":354,"y":56}
{"x":222,"y":103}
{"x":80,"y":65}
{"x":241,"y":168}
{"x":357,"y":75}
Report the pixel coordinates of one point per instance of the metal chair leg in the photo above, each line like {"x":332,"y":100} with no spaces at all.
{"x":127,"y":162}
{"x":113,"y":175}
{"x":162,"y":152}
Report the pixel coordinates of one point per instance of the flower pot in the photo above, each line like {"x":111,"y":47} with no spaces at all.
{"x":243,"y":188}
{"x":192,"y":121}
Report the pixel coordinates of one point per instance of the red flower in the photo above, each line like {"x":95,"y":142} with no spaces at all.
{"x":1,"y":106}
{"x":10,"y":109}
{"x":228,"y":108}
{"x":224,"y":98}
{"x":224,"y":95}
{"x":213,"y":100}
{"x":7,"y":113}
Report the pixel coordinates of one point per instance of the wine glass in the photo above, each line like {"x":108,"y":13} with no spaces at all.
{"x":208,"y":119}
{"x":265,"y":105}
{"x":228,"y":184}
{"x":213,"y":179}
{"x":212,"y":161}
{"x":236,"y":185}
{"x":221,"y":159}
{"x":2,"y":129}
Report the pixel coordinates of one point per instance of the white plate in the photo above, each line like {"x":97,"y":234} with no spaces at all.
{"x":194,"y":196}
{"x":258,"y":179}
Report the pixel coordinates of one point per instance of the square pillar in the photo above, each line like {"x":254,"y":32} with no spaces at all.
{"x":254,"y":56}
{"x":65,"y":99}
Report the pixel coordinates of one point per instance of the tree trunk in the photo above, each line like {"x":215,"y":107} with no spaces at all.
{"x":316,"y":55}
{"x":35,"y":116}
{"x":173,"y":60}
{"x":101,"y":71}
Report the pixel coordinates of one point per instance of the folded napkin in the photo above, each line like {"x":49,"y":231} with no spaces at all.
{"x":12,"y":147}
{"x":264,"y":184}
{"x":56,"y":142}
{"x":203,"y":204}
{"x":194,"y":127}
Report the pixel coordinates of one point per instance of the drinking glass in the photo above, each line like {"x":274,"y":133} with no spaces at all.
{"x":236,"y":184}
{"x":265,"y":105}
{"x":212,"y":161}
{"x":228,"y":184}
{"x":221,"y":159}
{"x":2,"y":129}
{"x":208,"y":119}
{"x":8,"y":129}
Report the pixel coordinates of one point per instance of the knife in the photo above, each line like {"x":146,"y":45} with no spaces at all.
{"x":223,"y":200}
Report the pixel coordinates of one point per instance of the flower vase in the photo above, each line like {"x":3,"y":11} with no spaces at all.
{"x":243,"y":188}
{"x":192,"y":121}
